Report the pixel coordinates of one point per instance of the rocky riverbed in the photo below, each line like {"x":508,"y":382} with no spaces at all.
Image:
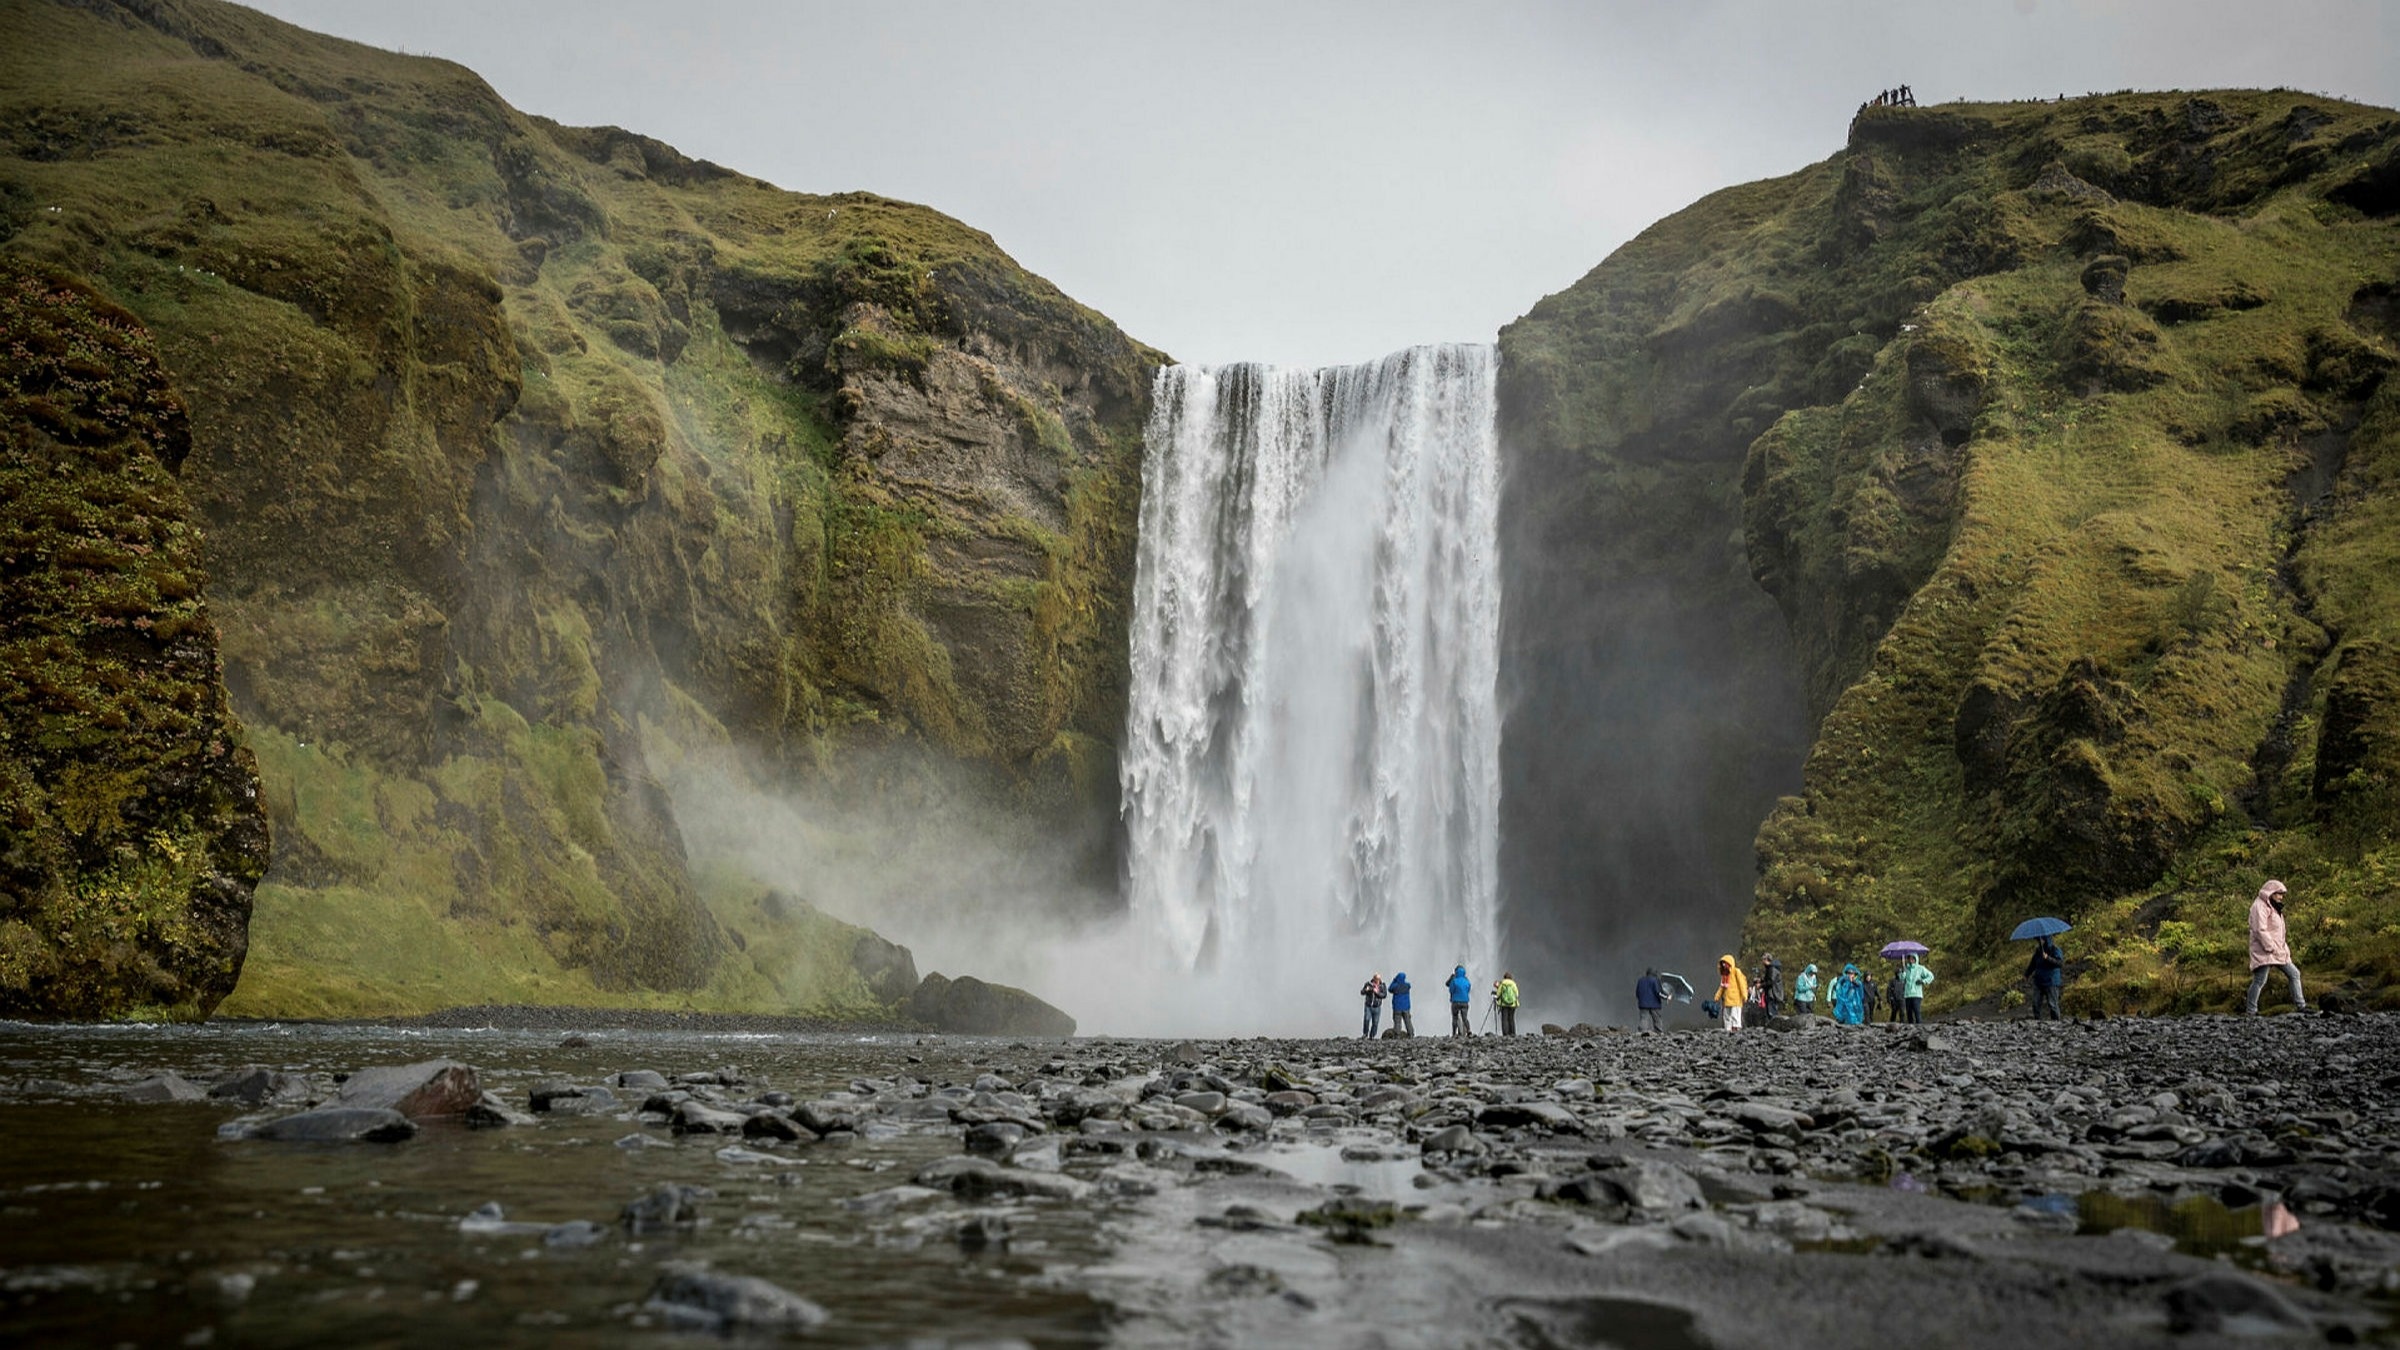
{"x":1997,"y":1183}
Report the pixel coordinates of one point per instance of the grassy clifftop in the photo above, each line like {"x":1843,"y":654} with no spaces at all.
{"x":2063,"y":438}
{"x":534,"y":459}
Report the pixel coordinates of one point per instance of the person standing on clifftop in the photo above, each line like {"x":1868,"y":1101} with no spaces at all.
{"x":2270,"y":948}
{"x":1504,"y":997}
{"x":1915,"y":978}
{"x":1648,"y":1001}
{"x":1462,"y":993}
{"x":1403,"y":1021}
{"x":1732,"y":992}
{"x":1372,"y":991}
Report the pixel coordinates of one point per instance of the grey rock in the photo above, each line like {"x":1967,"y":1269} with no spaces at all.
{"x":164,"y":1087}
{"x":422,"y":1091}
{"x":668,"y":1207}
{"x":338,"y":1125}
{"x":776,"y":1125}
{"x":694,"y":1118}
{"x":2226,"y":1303}
{"x":256,"y":1085}
{"x":694,"y":1298}
{"x":489,"y":1112}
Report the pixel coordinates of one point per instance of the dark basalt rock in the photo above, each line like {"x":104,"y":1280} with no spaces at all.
{"x":971,"y":1007}
{"x":338,"y":1125}
{"x":692,"y":1298}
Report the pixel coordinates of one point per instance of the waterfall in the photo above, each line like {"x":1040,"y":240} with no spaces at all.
{"x":1310,"y":770}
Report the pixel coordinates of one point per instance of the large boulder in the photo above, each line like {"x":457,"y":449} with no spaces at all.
{"x":436,"y":1087}
{"x":971,"y":1007}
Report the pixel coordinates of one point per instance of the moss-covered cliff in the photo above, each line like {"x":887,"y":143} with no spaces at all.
{"x":2065,"y":446}
{"x":131,"y":835}
{"x":533,"y":460}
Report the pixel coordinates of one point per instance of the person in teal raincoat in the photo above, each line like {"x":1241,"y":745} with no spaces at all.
{"x":1804,"y":991}
{"x":1850,"y":997}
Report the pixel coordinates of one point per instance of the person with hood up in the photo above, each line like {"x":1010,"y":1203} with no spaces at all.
{"x":1733,"y":992}
{"x":1895,"y":999}
{"x":1770,"y":986}
{"x":1870,"y":996}
{"x":1462,"y":992}
{"x":1850,"y":997}
{"x":1403,"y":1021}
{"x":1804,"y":991}
{"x":1504,"y":997}
{"x":1649,"y":1001}
{"x":1915,"y":977}
{"x":1373,"y":992}
{"x":2270,"y":948}
{"x":2048,"y":971}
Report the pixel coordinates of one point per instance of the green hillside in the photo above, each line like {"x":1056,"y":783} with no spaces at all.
{"x":534,"y":462}
{"x":2061,"y":435}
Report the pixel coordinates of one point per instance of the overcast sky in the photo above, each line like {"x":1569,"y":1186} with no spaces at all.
{"x":1321,"y":182}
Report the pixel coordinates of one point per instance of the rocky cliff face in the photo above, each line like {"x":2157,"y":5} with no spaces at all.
{"x":131,"y":835}
{"x":2063,"y":437}
{"x":535,"y":462}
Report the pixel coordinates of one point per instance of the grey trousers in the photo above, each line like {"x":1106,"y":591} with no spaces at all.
{"x":1649,"y":1021}
{"x":2045,"y":1002}
{"x":2258,"y":985}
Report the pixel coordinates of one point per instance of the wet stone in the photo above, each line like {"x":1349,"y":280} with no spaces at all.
{"x":693,"y":1298}
{"x":338,"y":1125}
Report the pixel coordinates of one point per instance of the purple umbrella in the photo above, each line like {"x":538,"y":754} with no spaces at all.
{"x":1895,"y":950}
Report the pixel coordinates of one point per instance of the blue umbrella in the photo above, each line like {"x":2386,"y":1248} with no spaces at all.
{"x":1893,"y":951}
{"x":2039,"y":928}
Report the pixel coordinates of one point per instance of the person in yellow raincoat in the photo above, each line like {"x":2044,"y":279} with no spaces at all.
{"x":1733,"y":991}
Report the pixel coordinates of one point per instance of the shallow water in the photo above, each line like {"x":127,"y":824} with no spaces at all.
{"x":123,"y":1222}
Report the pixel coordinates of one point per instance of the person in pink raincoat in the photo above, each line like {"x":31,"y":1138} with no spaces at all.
{"x":2270,"y":950}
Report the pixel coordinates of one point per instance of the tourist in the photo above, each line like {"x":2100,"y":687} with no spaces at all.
{"x":1850,"y":994}
{"x":2270,"y":948}
{"x":1915,"y":976}
{"x":1372,"y":991}
{"x":1462,"y":992}
{"x":1895,"y":999}
{"x":1804,"y":991}
{"x":2048,"y":971}
{"x":1870,"y":997}
{"x":1504,"y":997}
{"x":1648,"y":1001}
{"x":1403,"y":1021}
{"x":1770,"y":986}
{"x":1732,"y":992}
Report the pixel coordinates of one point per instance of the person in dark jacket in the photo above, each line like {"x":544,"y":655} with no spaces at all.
{"x":1403,"y":1021}
{"x":1462,"y":992}
{"x":1648,"y":1000}
{"x":1894,"y":999}
{"x":1372,"y":991}
{"x":2048,"y":971}
{"x":1770,"y":986}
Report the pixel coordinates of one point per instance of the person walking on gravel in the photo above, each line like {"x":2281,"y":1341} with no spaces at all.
{"x":1373,"y":991}
{"x":1733,"y":991}
{"x":1462,"y":992}
{"x":1915,"y":978}
{"x":2271,"y":948}
{"x":1648,"y":1001}
{"x":1403,"y":1020}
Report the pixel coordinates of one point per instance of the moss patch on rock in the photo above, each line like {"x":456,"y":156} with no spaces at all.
{"x":131,"y":834}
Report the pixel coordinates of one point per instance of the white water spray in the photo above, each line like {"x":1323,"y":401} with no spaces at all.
{"x":1311,"y":761}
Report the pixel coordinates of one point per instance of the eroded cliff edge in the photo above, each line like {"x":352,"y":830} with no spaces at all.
{"x":2060,"y":437}
{"x":537,"y":464}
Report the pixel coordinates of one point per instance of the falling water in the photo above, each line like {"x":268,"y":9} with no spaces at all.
{"x":1311,"y":761}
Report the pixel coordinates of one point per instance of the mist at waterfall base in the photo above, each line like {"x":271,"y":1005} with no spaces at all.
{"x":1310,"y":766}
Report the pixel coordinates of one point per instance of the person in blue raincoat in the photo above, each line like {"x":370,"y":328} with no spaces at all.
{"x":1402,"y":1021}
{"x":1850,"y":997}
{"x":1462,"y":993}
